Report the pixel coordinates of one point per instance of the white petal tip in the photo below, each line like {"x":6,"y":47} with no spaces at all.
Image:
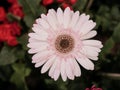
{"x":92,"y":68}
{"x":33,"y":61}
{"x":42,"y":71}
{"x":36,"y":66}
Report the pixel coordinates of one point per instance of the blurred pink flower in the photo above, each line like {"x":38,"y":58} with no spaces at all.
{"x":93,"y":88}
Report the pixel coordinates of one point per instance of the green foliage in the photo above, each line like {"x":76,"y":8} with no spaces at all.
{"x":7,"y":56}
{"x":32,"y":10}
{"x":23,"y":40}
{"x":116,"y":34}
{"x":108,"y":46}
{"x":18,"y":77}
{"x":15,"y":62}
{"x":12,"y":17}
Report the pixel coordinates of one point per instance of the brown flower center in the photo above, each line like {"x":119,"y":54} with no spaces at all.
{"x":64,"y":43}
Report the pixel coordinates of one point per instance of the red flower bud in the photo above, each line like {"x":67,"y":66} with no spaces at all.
{"x":12,"y":41}
{"x":2,"y":14}
{"x":47,"y":2}
{"x":12,"y":1}
{"x":15,"y":29}
{"x":60,"y":1}
{"x":93,"y":88}
{"x":73,"y":1}
{"x":8,"y":33}
{"x":65,"y":5}
{"x":16,"y":10}
{"x":4,"y":32}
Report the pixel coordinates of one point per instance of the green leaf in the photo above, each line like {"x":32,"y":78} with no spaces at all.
{"x":29,"y":20}
{"x":108,"y":46}
{"x":18,"y":77}
{"x":12,"y":17}
{"x":32,"y":10}
{"x":7,"y":56}
{"x":19,"y":53}
{"x":116,"y":34}
{"x":23,"y":40}
{"x":115,"y":12}
{"x":80,"y":5}
{"x":103,"y":9}
{"x":37,"y":2}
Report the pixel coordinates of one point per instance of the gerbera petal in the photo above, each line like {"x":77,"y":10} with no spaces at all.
{"x":69,"y":70}
{"x":38,"y":37}
{"x":93,"y":58}
{"x":40,"y":63}
{"x":88,"y":26}
{"x":37,"y":44}
{"x":43,"y":16}
{"x":60,"y":16}
{"x":43,"y":34}
{"x":40,"y":54}
{"x":32,"y":40}
{"x":52,"y":69}
{"x":39,"y":30}
{"x":63,"y":71}
{"x":48,"y":64}
{"x":95,"y":43}
{"x":88,"y":52}
{"x":42,"y":58}
{"x":74,"y":19}
{"x":57,"y":70}
{"x":82,"y":19}
{"x":88,"y":35}
{"x":91,"y":48}
{"x":77,"y":70}
{"x":52,"y":19}
{"x":36,"y":50}
{"x":85,"y":62}
{"x":67,"y":17}
{"x":74,"y":66}
{"x":43,"y":23}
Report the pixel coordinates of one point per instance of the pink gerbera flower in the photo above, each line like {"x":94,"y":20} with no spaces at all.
{"x":61,"y":41}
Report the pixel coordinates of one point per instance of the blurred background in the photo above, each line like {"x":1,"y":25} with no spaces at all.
{"x":16,"y":70}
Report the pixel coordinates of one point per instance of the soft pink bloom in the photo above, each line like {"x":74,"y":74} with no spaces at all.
{"x":93,"y":88}
{"x":61,"y":41}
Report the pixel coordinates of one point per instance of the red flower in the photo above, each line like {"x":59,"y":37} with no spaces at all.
{"x":93,"y":88}
{"x":16,"y":10}
{"x":8,"y":33}
{"x":60,"y":1}
{"x":4,"y":32}
{"x":67,"y":1}
{"x":2,"y":14}
{"x":47,"y":2}
{"x":12,"y":41}
{"x":15,"y":29}
{"x":12,"y":1}
{"x":73,"y":1}
{"x":65,"y":5}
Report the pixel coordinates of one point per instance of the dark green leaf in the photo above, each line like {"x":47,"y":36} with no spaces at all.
{"x":23,"y":40}
{"x":18,"y":77}
{"x":7,"y":56}
{"x":29,"y":20}
{"x":115,"y":12}
{"x":12,"y":17}
{"x":108,"y":46}
{"x":32,"y":10}
{"x":116,"y":34}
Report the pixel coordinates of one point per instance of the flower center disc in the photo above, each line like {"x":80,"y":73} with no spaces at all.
{"x":64,"y":43}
